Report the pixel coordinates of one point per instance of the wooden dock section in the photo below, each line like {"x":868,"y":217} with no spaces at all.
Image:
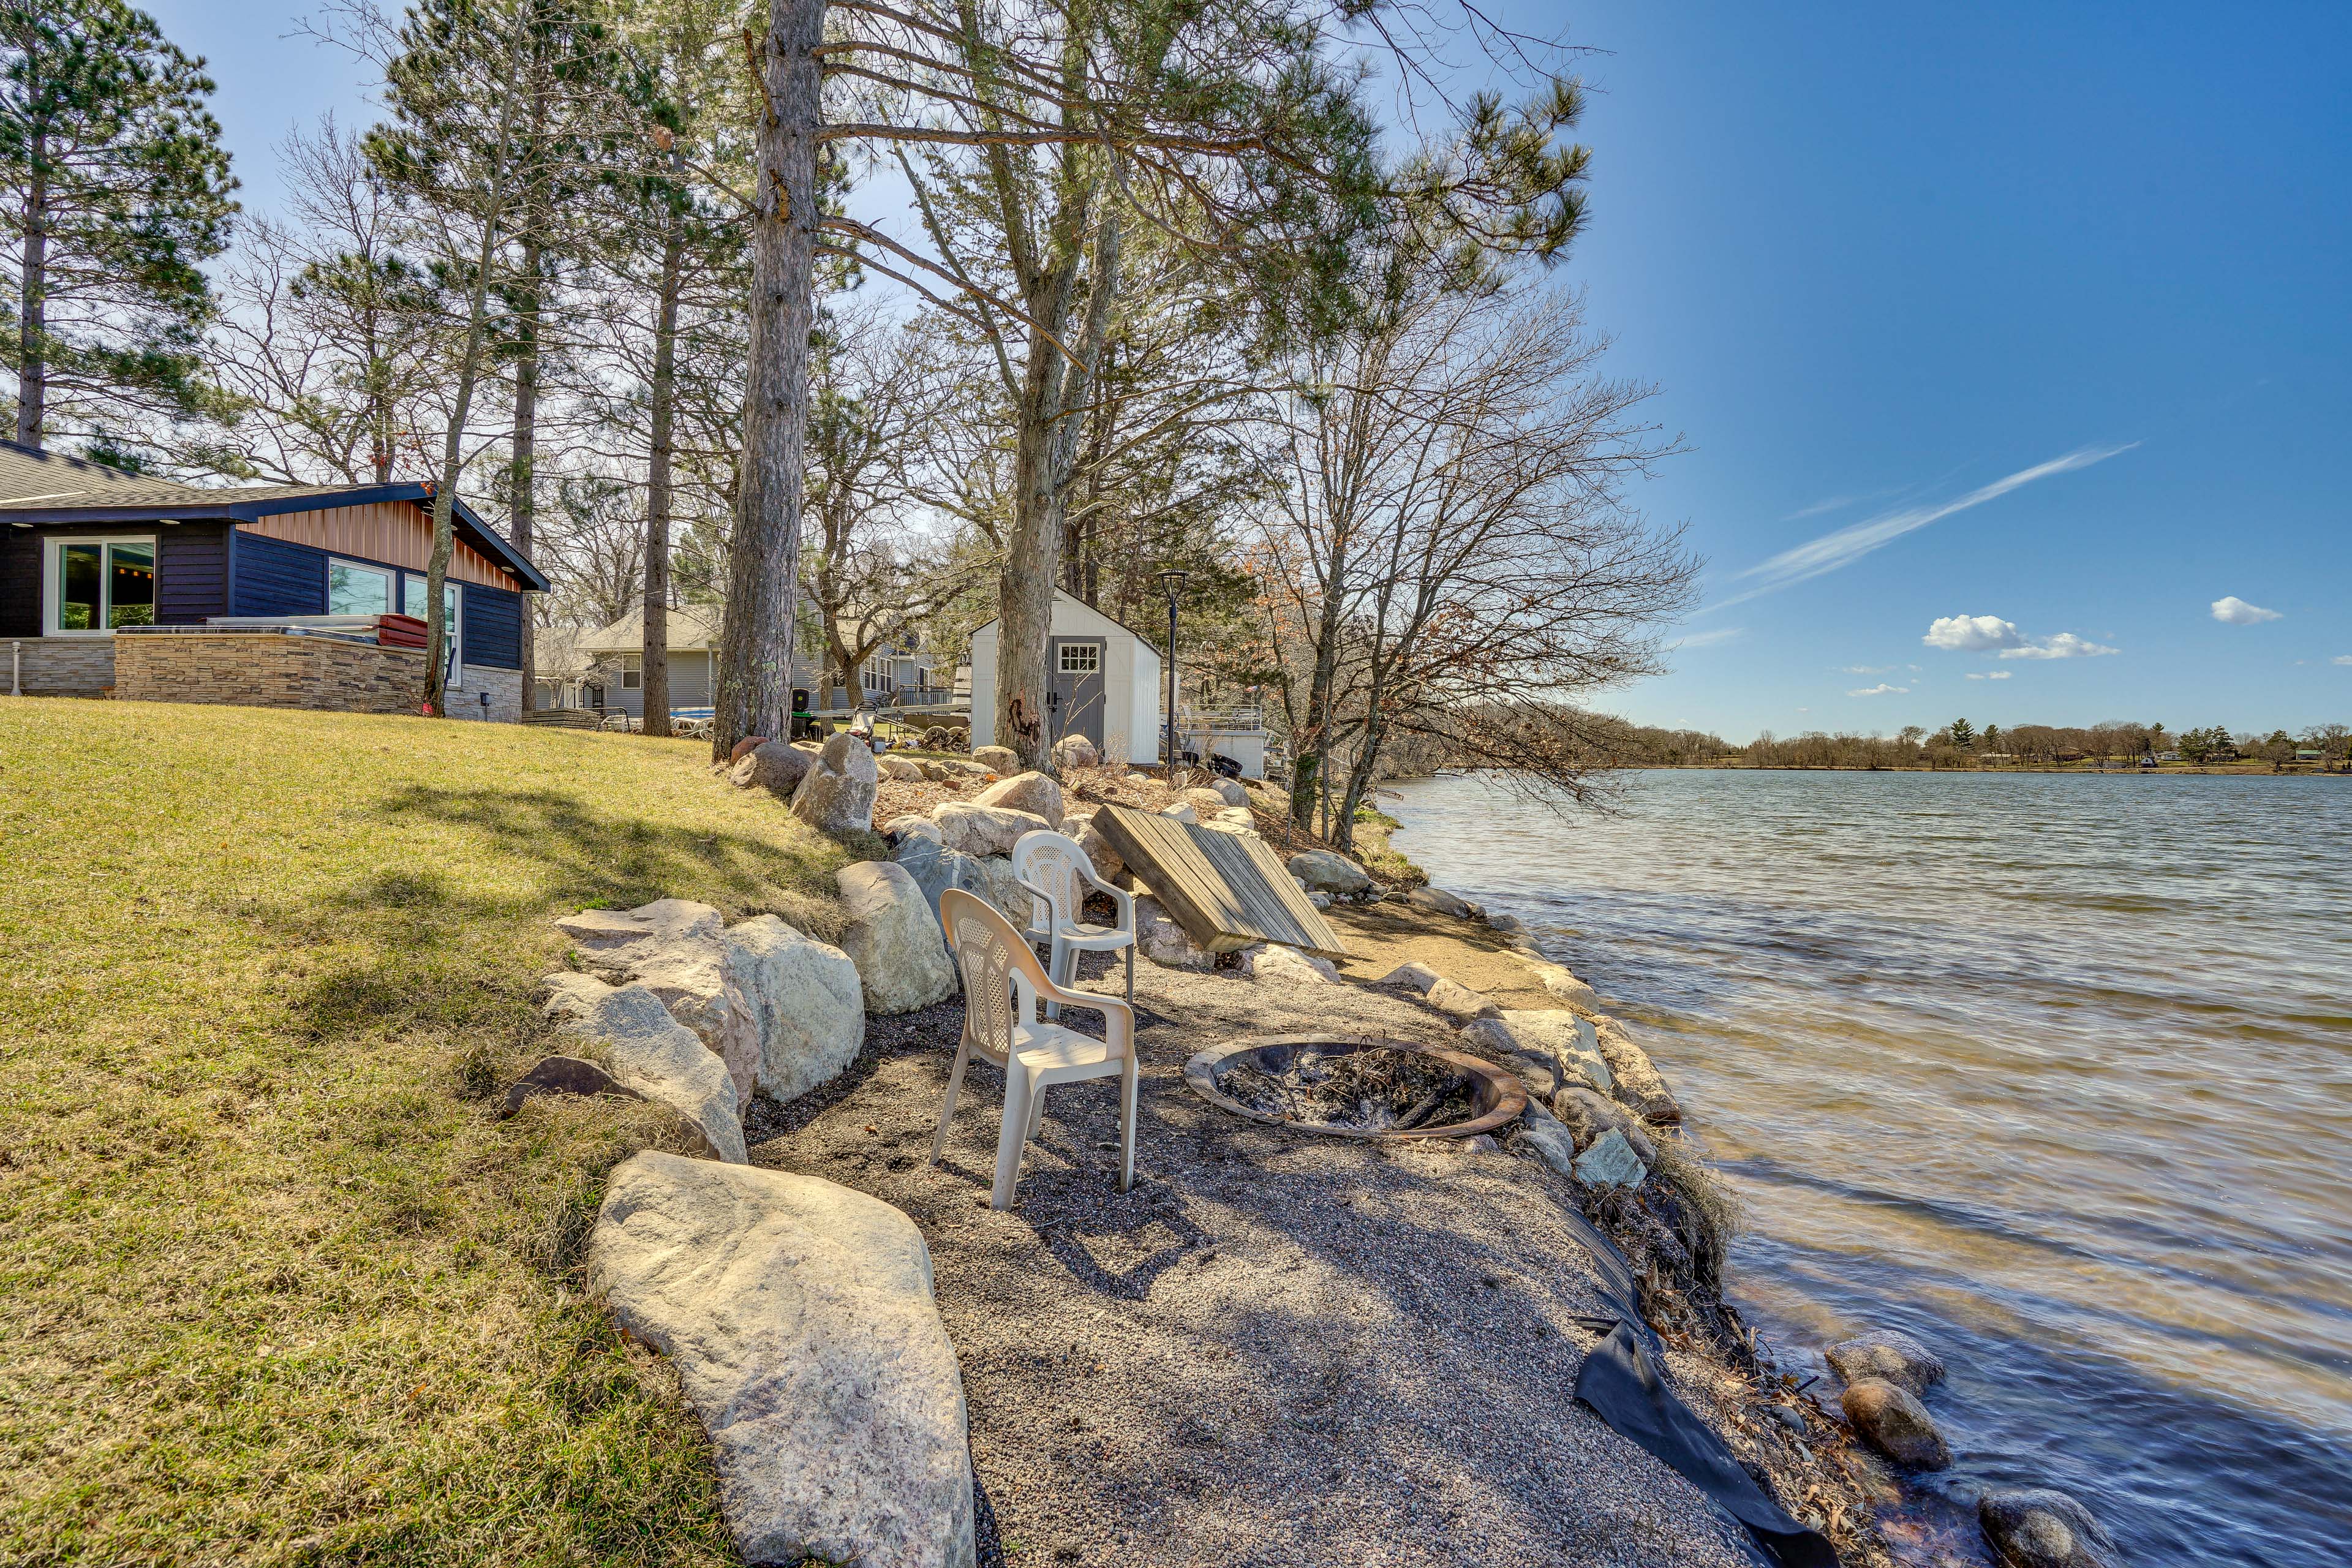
{"x":1227,"y":890}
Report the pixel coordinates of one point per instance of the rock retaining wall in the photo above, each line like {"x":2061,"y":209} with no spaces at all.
{"x":270,"y":669}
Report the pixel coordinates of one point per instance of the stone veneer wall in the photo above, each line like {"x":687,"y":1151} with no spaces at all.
{"x":505,"y":687}
{"x":268,"y":669}
{"x":59,"y":667}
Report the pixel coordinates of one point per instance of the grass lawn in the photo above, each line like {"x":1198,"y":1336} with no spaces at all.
{"x":275,"y":1285}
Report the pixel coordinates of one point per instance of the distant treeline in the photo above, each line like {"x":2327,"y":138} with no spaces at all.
{"x":1604,"y":740}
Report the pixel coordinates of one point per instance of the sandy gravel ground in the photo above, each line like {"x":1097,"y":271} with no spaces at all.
{"x":1278,"y":1350}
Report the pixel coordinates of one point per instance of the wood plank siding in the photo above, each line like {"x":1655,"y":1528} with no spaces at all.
{"x":398,"y":533}
{"x":191,"y":570}
{"x":1226,"y":890}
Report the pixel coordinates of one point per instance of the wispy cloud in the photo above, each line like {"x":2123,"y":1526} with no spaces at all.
{"x":2238,"y":613}
{"x":1881,"y":689}
{"x":1850,"y":544}
{"x":1709,"y":639}
{"x":1869,"y":670}
{"x":2342,"y":659}
{"x":1990,"y":674}
{"x":2065,"y":645}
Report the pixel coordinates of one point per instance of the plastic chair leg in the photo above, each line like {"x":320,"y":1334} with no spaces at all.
{"x":1128,"y":1078}
{"x":1130,"y":974}
{"x":1010,"y":1137}
{"x":1036,"y":1115}
{"x":947,"y":1106}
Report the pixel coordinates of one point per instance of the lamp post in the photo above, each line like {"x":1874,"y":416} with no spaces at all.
{"x":1172,"y":584}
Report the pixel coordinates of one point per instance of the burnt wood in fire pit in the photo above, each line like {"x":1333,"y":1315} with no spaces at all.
{"x":1359,"y":1088}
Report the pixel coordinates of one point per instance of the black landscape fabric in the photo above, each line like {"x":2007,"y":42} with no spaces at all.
{"x":1622,"y":1381}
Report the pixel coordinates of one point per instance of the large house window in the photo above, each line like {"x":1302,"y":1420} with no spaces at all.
{"x":633,"y":671}
{"x":356,"y":590}
{"x":95,"y":586}
{"x":415,"y":603}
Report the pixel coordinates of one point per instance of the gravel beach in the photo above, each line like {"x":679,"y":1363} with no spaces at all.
{"x":1278,"y":1349}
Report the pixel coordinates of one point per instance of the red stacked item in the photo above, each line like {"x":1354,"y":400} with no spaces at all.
{"x":399,"y":631}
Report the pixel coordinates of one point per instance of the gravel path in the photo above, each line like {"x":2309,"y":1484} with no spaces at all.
{"x":1277,"y":1350}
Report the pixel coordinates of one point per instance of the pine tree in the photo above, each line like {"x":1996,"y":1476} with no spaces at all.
{"x":117,"y":190}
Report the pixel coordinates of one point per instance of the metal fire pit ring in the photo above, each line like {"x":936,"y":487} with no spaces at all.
{"x":1496,"y":1095}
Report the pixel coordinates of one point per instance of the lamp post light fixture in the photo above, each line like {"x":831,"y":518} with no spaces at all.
{"x":1171,"y":582}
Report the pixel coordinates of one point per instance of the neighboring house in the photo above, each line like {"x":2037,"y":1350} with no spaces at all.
{"x":897,"y":676}
{"x":91,"y":557}
{"x":616,"y":659}
{"x":561,"y":674}
{"x":1103,"y":682}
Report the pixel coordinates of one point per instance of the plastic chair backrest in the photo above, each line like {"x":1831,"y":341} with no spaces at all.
{"x":1001,"y":975}
{"x":1058,"y":864}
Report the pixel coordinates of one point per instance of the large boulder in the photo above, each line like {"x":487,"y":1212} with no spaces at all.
{"x":1230,"y":791}
{"x":1458,"y":1001}
{"x":1075,"y":751}
{"x":985,"y":829}
{"x":1561,"y":983}
{"x":1610,"y":1161}
{"x":837,"y":796}
{"x":1183,"y":811}
{"x":1889,"y":1354}
{"x":1635,"y":1079}
{"x":1272,"y":961}
{"x":1438,"y":901}
{"x":1032,"y":793}
{"x":897,"y":827}
{"x":648,"y":1050}
{"x":1079,"y":828}
{"x":1206,"y":800}
{"x":1893,"y":1421}
{"x":1548,"y":1050}
{"x":777,"y":766}
{"x":806,"y":998}
{"x":2040,"y":1527}
{"x":893,"y":937}
{"x":1001,"y":888}
{"x":1417,"y":978}
{"x":905,"y":770}
{"x":677,"y":950}
{"x":997,"y":759}
{"x":1552,"y":1143}
{"x":1161,"y":939}
{"x":1325,"y":871}
{"x":562,"y":1076}
{"x":1592,"y":1117}
{"x":935,"y":869}
{"x":800,"y":1317}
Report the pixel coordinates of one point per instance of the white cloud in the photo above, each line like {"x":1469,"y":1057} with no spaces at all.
{"x":1850,"y":544}
{"x":1972,"y":634}
{"x":2343,"y":659}
{"x":1992,"y":675}
{"x":2065,"y":645}
{"x":1708,"y":640}
{"x":1881,"y":689}
{"x":2238,"y":613}
{"x":1868,"y":669}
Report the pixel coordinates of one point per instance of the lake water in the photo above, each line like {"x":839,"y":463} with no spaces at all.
{"x":2053,"y":1071}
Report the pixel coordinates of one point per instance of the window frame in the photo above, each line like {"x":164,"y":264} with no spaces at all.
{"x":1093,"y":652}
{"x":392,"y":581}
{"x":53,"y":548}
{"x":633,"y":671}
{"x":450,"y":587}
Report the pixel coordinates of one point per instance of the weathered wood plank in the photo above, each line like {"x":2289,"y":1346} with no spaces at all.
{"x":1226,"y":890}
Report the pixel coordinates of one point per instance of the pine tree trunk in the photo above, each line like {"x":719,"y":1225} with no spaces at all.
{"x":755,"y":673}
{"x":32,"y":315}
{"x":654,"y":662}
{"x":521,"y":486}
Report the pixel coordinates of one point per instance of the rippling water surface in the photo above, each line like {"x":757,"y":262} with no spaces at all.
{"x":2053,"y":1071}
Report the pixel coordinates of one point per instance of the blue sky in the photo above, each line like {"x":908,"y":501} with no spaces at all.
{"x":2038,"y":314}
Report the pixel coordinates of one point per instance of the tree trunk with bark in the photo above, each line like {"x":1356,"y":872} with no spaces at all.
{"x":32,"y":323}
{"x":654,"y":660}
{"x":755,"y":684}
{"x":522,"y":512}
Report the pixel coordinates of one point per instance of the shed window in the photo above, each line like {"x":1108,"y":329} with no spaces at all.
{"x":98,"y":584}
{"x":1081,"y":657}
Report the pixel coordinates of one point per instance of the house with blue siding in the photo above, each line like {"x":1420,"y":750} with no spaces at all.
{"x":90,"y":555}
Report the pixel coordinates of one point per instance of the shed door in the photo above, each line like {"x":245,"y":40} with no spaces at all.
{"x":1074,"y":688}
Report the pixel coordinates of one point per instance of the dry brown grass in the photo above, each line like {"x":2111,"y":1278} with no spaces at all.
{"x":275,"y":1285}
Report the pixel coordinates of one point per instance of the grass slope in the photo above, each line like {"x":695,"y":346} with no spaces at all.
{"x":275,"y":1285}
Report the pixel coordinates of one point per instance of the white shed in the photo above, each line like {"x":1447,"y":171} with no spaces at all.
{"x":1103,"y":682}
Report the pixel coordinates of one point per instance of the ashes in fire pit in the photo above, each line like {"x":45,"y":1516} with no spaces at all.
{"x":1358,"y":1088}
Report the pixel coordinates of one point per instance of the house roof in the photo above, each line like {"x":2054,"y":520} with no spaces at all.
{"x":36,"y":486}
{"x":691,"y":628}
{"x":1064,"y":599}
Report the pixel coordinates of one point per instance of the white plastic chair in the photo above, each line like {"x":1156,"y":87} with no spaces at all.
{"x":1056,"y":872}
{"x":1002,"y":984}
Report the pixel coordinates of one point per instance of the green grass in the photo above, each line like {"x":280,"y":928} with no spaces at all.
{"x":275,"y":1285}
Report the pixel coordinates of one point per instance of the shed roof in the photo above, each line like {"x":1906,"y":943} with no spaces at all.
{"x":37,"y":486}
{"x":1084,"y":613}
